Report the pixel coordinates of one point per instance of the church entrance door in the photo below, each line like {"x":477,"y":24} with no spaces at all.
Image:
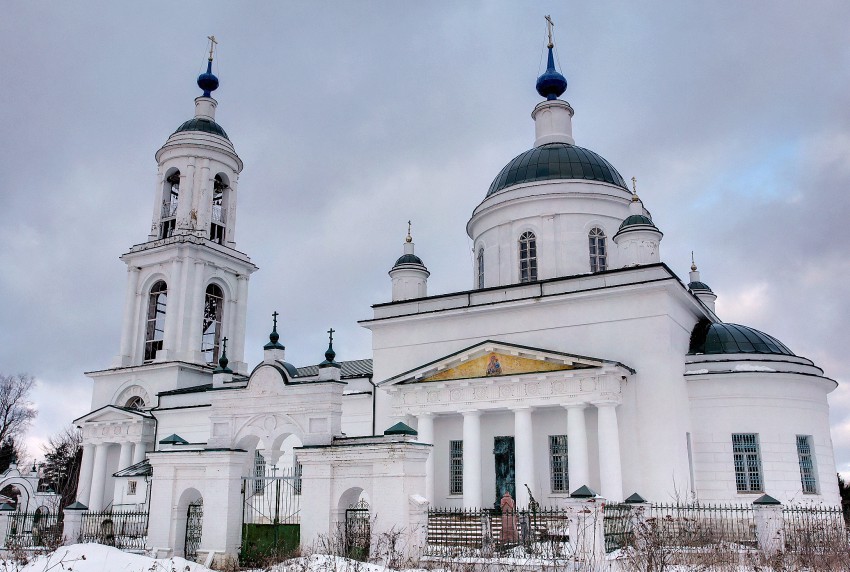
{"x":503,"y":453}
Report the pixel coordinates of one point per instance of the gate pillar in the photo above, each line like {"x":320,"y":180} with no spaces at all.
{"x":222,"y":523}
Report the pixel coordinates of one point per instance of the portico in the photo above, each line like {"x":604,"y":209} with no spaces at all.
{"x":514,"y":423}
{"x":114,"y":438}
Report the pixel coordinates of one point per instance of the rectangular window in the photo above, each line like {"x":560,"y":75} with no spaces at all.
{"x":745,"y":448}
{"x":559,"y":464}
{"x":807,"y":465}
{"x":456,"y":467}
{"x":131,"y":487}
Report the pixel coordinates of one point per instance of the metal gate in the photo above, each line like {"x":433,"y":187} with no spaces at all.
{"x":358,"y":530}
{"x":194,"y":523}
{"x":271,"y":513}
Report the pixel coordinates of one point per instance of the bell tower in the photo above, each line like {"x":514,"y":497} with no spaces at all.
{"x":187,"y":285}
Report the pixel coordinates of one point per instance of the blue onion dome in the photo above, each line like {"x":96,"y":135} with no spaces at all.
{"x":699,"y":287}
{"x":408,"y":259}
{"x":720,"y":338}
{"x":207,"y":80}
{"x":637,"y":220}
{"x":556,"y":161}
{"x":551,"y":84}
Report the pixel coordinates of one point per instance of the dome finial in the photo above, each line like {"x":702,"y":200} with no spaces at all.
{"x":409,"y":238}
{"x":635,"y":197}
{"x":223,"y":361}
{"x":207,"y":81}
{"x":330,"y":354}
{"x":551,"y":84}
{"x":693,"y":264}
{"x":274,"y":336}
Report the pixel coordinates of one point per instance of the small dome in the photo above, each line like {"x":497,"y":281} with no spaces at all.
{"x":556,"y":161}
{"x":637,"y":220}
{"x":719,"y":338}
{"x":408,"y":259}
{"x":203,"y":125}
{"x":699,"y":286}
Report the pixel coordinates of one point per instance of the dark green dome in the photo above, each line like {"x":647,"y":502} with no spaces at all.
{"x":203,"y":125}
{"x":556,"y":161}
{"x":694,"y":286}
{"x":637,"y":220}
{"x":408,"y":259}
{"x":719,"y":338}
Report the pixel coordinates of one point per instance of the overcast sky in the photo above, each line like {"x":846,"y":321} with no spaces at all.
{"x":354,"y":117}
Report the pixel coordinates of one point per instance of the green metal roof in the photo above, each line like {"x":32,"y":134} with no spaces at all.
{"x":408,"y":259}
{"x":637,"y":220}
{"x":694,"y":286}
{"x":203,"y":125}
{"x":720,"y":338}
{"x":556,"y":161}
{"x":400,"y":429}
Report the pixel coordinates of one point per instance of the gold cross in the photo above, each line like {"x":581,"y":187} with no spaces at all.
{"x":213,"y":42}
{"x":634,"y":185}
{"x":549,"y":25}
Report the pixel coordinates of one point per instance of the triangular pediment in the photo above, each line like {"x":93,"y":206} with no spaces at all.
{"x":111,"y":413}
{"x":495,"y":359}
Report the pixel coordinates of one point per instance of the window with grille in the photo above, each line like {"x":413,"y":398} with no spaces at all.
{"x":481,"y":268}
{"x":745,"y":448}
{"x":155,"y":326}
{"x":807,"y":465}
{"x":559,"y":464}
{"x":456,"y":467}
{"x":131,"y":487}
{"x":598,"y":252}
{"x":527,"y":257}
{"x":259,"y":472}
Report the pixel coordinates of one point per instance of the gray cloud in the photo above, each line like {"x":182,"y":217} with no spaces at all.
{"x":354,"y":117}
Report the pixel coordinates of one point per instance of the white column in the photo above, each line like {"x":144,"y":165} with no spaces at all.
{"x":129,"y":320}
{"x":238,"y":345}
{"x":172,"y":311}
{"x":98,"y":481}
{"x":610,"y":472}
{"x":471,"y":459}
{"x":139,"y":452}
{"x":196,"y":310}
{"x":577,"y":446}
{"x":126,"y":455}
{"x":425,"y":429}
{"x":523,"y":455}
{"x":84,"y":484}
{"x":230,"y":233}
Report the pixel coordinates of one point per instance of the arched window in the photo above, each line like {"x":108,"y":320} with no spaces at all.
{"x":168,"y":220}
{"x":155,"y":327}
{"x":135,"y":402}
{"x":527,"y":257}
{"x":598,"y":254}
{"x":213,"y":310}
{"x":480,"y":263}
{"x":217,"y":221}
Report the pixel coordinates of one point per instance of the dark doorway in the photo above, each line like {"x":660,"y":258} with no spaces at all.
{"x":503,"y":453}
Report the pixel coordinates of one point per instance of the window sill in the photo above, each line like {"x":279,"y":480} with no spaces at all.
{"x":750,"y":492}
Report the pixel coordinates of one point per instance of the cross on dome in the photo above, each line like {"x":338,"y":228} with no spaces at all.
{"x":551,"y":84}
{"x":207,"y":81}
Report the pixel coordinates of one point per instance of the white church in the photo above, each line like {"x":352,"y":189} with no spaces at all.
{"x":577,"y":357}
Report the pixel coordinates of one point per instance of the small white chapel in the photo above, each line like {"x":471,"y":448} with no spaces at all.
{"x":575,"y":358}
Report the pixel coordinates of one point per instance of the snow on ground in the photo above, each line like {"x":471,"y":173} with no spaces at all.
{"x":100,"y":558}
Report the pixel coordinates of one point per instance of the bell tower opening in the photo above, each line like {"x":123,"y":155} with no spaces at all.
{"x":155,"y":327}
{"x":171,"y":195}
{"x":213,"y":311}
{"x":218,"y":220}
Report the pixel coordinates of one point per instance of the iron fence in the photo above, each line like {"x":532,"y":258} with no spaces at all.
{"x":810,"y":529}
{"x":695,"y":525}
{"x":33,"y":530}
{"x":482,"y":532}
{"x":122,"y":529}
